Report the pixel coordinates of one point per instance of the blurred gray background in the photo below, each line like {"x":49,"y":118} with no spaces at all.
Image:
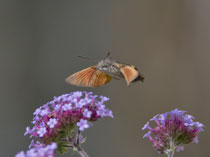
{"x":168,"y":40}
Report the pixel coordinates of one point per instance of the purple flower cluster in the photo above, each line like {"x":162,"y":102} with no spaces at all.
{"x":173,"y":129}
{"x":39,"y":150}
{"x":56,"y":120}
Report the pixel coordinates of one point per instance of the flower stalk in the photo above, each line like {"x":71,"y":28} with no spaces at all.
{"x":81,"y":151}
{"x":170,"y":152}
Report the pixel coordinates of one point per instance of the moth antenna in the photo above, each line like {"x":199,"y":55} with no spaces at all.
{"x":108,"y":54}
{"x":87,"y":58}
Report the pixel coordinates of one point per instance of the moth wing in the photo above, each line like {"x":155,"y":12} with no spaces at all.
{"x":99,"y":79}
{"x":129,"y":73}
{"x":82,"y":78}
{"x":89,"y":77}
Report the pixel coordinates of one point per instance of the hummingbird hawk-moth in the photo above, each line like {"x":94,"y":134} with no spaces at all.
{"x":100,"y":74}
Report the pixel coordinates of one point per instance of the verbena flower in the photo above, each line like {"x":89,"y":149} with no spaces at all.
{"x":173,"y":130}
{"x":62,"y":119}
{"x":39,"y":150}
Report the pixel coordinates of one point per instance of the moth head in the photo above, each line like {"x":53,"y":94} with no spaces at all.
{"x":104,"y":64}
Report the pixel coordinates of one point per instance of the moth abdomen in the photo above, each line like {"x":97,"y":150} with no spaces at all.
{"x":139,"y":78}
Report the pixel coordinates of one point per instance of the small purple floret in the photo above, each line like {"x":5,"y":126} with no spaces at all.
{"x":41,"y":131}
{"x":103,"y":98}
{"x":82,"y":124}
{"x":66,"y":107}
{"x":44,"y":112}
{"x":148,"y":134}
{"x":28,"y":131}
{"x":52,"y":122}
{"x":87,"y":113}
{"x":109,"y":113}
{"x":146,"y":126}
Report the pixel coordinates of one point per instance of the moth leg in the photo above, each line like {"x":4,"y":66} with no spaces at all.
{"x":117,"y":78}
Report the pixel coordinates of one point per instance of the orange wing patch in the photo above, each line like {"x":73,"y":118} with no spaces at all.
{"x":89,"y":77}
{"x":99,"y":79}
{"x":129,"y":73}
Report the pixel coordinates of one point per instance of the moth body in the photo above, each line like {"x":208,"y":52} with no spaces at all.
{"x":110,"y":67}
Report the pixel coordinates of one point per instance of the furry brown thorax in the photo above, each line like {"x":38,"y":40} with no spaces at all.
{"x":110,"y":67}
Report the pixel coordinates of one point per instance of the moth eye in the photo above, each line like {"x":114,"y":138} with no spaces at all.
{"x":105,"y":68}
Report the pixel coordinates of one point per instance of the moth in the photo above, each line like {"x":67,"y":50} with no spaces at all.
{"x":102,"y":73}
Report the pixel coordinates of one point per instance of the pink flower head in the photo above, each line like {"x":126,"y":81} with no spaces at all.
{"x":60,"y":118}
{"x":173,"y":129}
